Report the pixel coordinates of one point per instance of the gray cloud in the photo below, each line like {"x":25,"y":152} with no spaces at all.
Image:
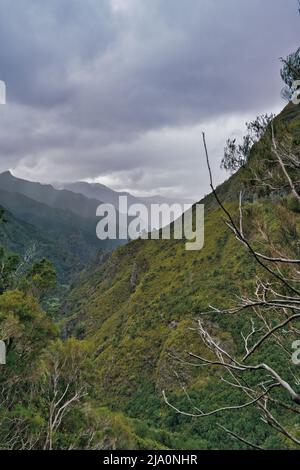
{"x":120,"y":89}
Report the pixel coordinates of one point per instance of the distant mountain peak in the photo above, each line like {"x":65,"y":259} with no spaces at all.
{"x":6,"y":173}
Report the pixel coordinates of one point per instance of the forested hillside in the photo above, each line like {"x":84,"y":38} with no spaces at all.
{"x":139,"y":308}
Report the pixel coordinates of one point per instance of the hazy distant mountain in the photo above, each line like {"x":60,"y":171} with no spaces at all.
{"x":64,"y":237}
{"x":47,"y":194}
{"x":105,"y":194}
{"x":69,"y":250}
{"x":66,"y":215}
{"x":60,"y":224}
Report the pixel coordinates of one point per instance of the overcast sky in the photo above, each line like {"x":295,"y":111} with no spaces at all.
{"x":118,"y":91}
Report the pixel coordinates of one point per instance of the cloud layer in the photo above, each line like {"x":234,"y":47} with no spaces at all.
{"x":118,"y":91}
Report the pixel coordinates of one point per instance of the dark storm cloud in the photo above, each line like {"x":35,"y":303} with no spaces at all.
{"x":40,"y":42}
{"x":121,"y":88}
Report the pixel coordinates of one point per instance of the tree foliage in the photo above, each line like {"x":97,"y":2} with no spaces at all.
{"x":237,"y":155}
{"x":40,"y":279}
{"x":260,"y":367}
{"x":290,"y":74}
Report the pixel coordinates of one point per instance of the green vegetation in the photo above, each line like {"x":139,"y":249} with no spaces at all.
{"x":141,"y":334}
{"x":90,"y":373}
{"x":237,"y":155}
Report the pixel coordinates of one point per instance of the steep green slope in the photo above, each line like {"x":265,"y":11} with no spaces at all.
{"x":139,"y":308}
{"x":135,"y":325}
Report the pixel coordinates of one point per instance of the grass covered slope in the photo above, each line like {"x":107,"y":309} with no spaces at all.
{"x":138,"y":308}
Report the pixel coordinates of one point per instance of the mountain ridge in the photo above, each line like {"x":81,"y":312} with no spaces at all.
{"x":47,"y":194}
{"x":107,"y":195}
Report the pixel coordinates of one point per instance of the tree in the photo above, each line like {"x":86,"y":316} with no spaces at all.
{"x":44,"y":382}
{"x":40,"y":279}
{"x":290,"y":74}
{"x":27,"y":332}
{"x":44,"y":379}
{"x":64,"y":382}
{"x":8,"y":266}
{"x":237,"y":155}
{"x":261,"y":368}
